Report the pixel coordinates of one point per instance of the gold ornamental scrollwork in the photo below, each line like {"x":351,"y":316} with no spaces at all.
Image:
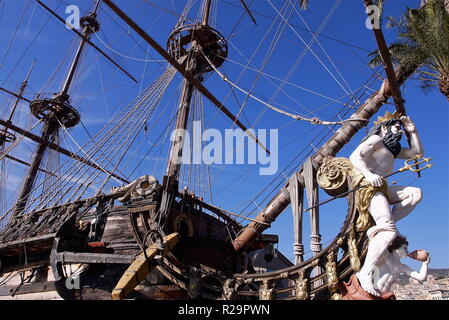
{"x":333,"y":175}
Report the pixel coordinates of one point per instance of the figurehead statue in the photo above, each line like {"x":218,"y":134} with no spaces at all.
{"x":374,"y":159}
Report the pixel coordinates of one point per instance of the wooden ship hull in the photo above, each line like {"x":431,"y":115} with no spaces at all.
{"x":92,"y":247}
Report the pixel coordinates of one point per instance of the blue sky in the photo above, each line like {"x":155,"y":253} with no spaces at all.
{"x":336,"y":69}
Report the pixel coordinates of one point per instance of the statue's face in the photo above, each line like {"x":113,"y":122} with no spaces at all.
{"x":402,"y":251}
{"x":394,"y":129}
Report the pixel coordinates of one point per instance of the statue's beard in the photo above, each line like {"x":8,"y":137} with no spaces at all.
{"x":392,"y":142}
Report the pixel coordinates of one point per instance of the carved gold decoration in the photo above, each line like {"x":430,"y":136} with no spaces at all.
{"x":301,"y":286}
{"x":266,"y":290}
{"x":363,"y":197}
{"x":387,"y":116}
{"x":332,"y":175}
{"x":353,"y":252}
{"x":340,"y":241}
{"x":337,"y":296}
{"x":332,"y":277}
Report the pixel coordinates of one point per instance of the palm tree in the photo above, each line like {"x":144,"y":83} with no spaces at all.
{"x":423,"y":44}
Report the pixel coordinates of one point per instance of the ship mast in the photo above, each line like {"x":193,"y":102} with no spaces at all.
{"x":195,"y":64}
{"x":55,"y":112}
{"x":6,"y":136}
{"x":206,"y":12}
{"x":187,"y":45}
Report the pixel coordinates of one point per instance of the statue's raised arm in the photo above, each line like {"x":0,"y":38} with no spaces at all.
{"x":416,"y":147}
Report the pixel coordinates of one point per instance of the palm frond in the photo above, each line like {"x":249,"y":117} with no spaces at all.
{"x":422,"y":41}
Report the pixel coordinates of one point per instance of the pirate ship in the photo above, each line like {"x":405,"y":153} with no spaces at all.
{"x":151,"y":239}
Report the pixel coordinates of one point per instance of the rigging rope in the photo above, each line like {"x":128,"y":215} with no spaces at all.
{"x":253,"y":55}
{"x":119,"y":121}
{"x":15,"y":33}
{"x":82,"y":150}
{"x":29,"y":47}
{"x":280,"y":29}
{"x":305,"y":50}
{"x":373,"y":77}
{"x":279,"y":79}
{"x":17,"y":141}
{"x":291,"y":115}
{"x":309,"y":48}
{"x":167,"y":127}
{"x":334,"y":8}
{"x":124,"y":55}
{"x":134,"y":127}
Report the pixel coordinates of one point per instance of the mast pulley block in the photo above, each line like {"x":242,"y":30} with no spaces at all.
{"x":6,"y":136}
{"x":91,"y":23}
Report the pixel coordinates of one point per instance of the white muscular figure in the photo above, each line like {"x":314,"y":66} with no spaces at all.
{"x":389,"y":266}
{"x":374,"y":158}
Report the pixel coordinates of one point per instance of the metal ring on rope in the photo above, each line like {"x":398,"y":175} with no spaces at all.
{"x":155,"y":238}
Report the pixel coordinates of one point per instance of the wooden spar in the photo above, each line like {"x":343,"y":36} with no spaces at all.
{"x":68,"y":81}
{"x":330,"y":148}
{"x":57,"y":148}
{"x":142,"y":266}
{"x":206,"y":12}
{"x":49,"y":130}
{"x":27,"y":164}
{"x":88,"y":41}
{"x":174,"y":162}
{"x":196,"y":83}
{"x":15,"y":94}
{"x":249,"y":12}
